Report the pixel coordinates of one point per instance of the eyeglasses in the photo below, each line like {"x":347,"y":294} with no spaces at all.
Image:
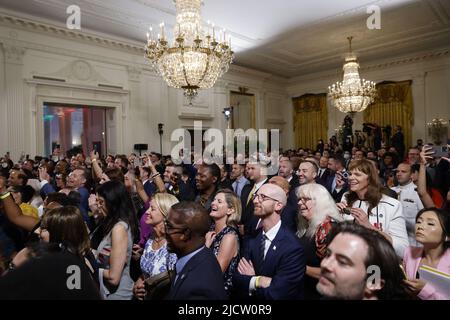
{"x":262,"y":197}
{"x":170,"y":227}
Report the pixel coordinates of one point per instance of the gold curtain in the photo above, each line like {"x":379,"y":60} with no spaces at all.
{"x":393,"y":106}
{"x":310,"y":120}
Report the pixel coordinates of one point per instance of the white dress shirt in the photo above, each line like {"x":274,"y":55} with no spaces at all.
{"x":411,"y":204}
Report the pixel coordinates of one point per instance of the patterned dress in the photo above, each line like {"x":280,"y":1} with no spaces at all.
{"x":228,"y":274}
{"x":154,"y":262}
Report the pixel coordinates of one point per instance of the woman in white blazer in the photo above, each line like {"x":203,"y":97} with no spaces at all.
{"x":368,"y":206}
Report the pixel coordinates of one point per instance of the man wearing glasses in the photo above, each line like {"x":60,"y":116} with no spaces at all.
{"x":273,"y":264}
{"x":198,"y":274}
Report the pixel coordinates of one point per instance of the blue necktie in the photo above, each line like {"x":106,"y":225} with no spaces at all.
{"x":262,"y":248}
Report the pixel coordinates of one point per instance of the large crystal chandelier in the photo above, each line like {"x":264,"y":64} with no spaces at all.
{"x":352,"y":94}
{"x":196,"y":58}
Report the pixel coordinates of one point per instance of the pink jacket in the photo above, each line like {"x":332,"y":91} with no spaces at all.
{"x":411,"y":262}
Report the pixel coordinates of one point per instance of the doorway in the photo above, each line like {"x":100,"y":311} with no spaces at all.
{"x":71,"y":129}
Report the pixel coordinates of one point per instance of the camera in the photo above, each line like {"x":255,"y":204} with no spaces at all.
{"x":343,"y":174}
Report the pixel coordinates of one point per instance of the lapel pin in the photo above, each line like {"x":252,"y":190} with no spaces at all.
{"x":274,"y":247}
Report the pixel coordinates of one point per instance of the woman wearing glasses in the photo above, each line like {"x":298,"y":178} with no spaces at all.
{"x":317,"y":215}
{"x":224,"y":239}
{"x":114,"y":251}
{"x":156,"y":259}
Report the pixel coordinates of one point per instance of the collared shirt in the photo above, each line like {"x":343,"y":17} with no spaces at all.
{"x":183,"y":261}
{"x":289,"y":179}
{"x":255,"y":188}
{"x":411,"y":204}
{"x":259,"y":184}
{"x":269,"y":236}
{"x":239,"y":184}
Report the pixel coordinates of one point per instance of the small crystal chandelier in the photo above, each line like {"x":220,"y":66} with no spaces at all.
{"x":196,"y":59}
{"x":352,"y":94}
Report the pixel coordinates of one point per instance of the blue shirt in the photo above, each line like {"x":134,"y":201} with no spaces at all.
{"x":179,"y":266}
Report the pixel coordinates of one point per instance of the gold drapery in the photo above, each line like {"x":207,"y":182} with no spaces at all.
{"x":393,"y":106}
{"x":310,"y":120}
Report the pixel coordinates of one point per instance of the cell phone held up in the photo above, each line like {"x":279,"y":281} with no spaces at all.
{"x":440,"y":151}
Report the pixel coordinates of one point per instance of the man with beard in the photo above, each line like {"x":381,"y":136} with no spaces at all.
{"x":198,"y":273}
{"x":360,"y":264}
{"x":273,"y":265}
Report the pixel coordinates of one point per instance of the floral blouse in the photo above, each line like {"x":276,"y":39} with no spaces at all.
{"x":154,"y":262}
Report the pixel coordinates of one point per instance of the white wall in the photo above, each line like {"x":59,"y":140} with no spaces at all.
{"x":140,"y":99}
{"x":429,"y":71}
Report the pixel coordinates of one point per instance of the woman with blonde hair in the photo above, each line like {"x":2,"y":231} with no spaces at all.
{"x":155,"y":258}
{"x":317,"y":215}
{"x":224,"y":239}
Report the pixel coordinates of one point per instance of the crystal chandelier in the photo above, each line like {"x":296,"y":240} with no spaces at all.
{"x":195,"y":59}
{"x":352,"y":94}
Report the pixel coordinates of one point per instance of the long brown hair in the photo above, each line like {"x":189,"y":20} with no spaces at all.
{"x":373,"y":194}
{"x":65,"y":226}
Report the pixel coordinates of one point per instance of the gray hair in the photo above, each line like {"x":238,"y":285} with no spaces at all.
{"x":324,"y":206}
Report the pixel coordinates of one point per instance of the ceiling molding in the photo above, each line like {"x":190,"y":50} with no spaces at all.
{"x":62,"y":32}
{"x":418,"y":57}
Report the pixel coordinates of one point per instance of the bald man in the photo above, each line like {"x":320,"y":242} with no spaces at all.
{"x":273,"y":263}
{"x":198,"y":274}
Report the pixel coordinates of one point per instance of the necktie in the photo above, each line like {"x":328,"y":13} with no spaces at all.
{"x":262,"y":248}
{"x":250,"y":196}
{"x":236,"y":186}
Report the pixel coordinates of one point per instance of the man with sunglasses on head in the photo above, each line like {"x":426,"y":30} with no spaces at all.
{"x":273,"y":265}
{"x":198,"y":274}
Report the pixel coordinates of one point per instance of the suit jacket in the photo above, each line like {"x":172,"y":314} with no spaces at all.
{"x":294,"y":183}
{"x":289,"y":213}
{"x":323,"y":179}
{"x":337,"y":196}
{"x":200,"y":279}
{"x":285,"y":263}
{"x":149,"y":188}
{"x":248,"y":218}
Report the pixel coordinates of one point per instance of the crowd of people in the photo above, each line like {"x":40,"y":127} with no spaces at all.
{"x":132,"y":227}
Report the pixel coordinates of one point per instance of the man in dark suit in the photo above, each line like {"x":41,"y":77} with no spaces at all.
{"x":274,"y":264}
{"x":198,"y":273}
{"x":286,"y":171}
{"x":324,"y":172}
{"x":258,"y":176}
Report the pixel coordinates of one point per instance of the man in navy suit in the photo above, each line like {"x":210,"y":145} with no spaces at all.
{"x":198,"y":273}
{"x":274,"y":264}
